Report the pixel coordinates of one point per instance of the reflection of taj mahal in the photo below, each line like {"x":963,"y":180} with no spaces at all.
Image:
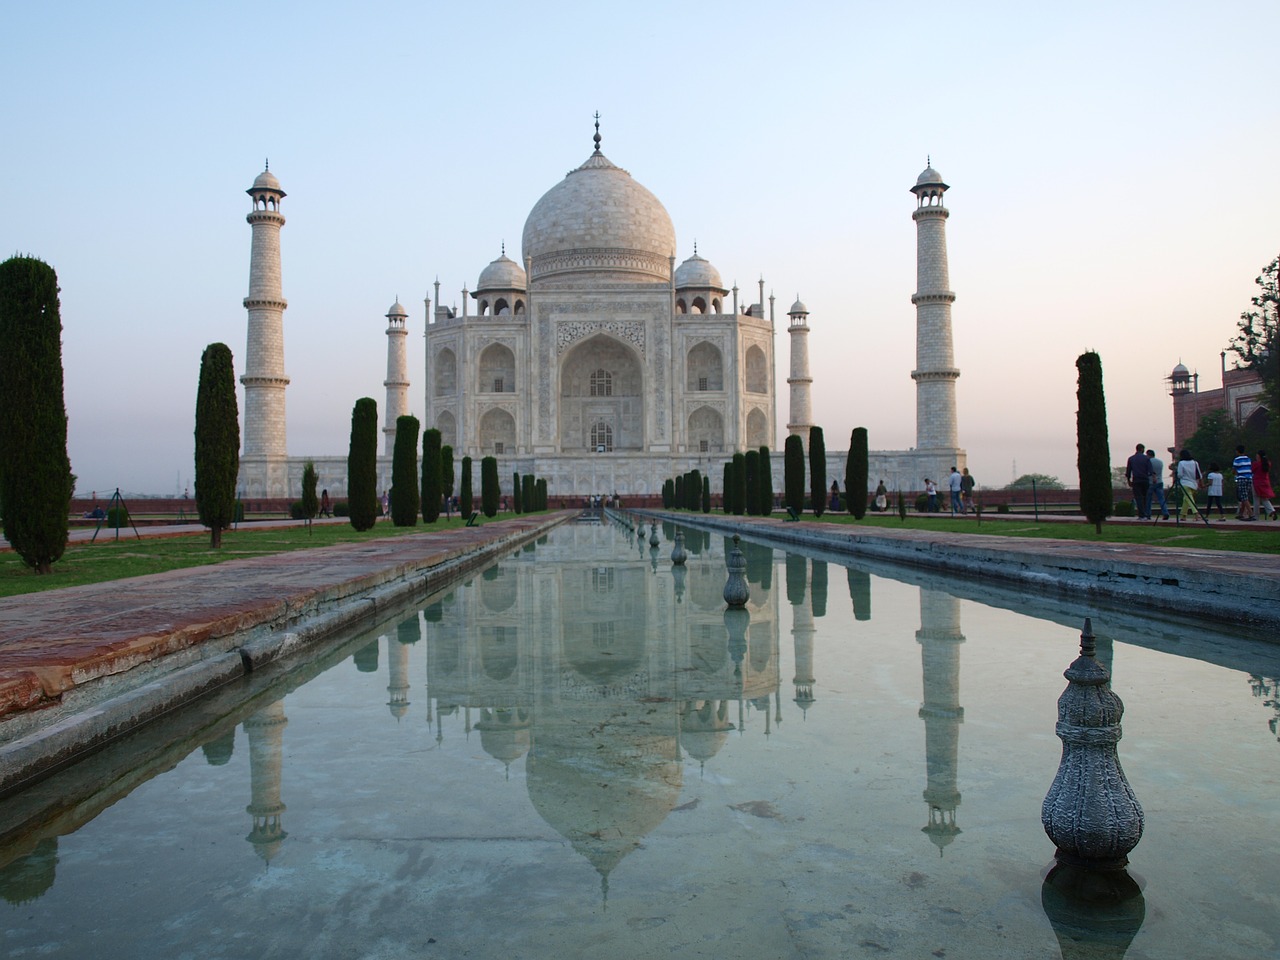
{"x":596,"y":361}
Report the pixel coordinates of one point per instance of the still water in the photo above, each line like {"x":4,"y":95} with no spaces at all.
{"x":574,"y":754}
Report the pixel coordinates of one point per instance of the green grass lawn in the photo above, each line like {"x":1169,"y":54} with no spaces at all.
{"x":1260,"y":537}
{"x":109,"y":559}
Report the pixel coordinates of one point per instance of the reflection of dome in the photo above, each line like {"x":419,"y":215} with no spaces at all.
{"x":502,"y":274}
{"x":28,"y":877}
{"x":504,"y":734}
{"x":218,"y":751}
{"x":698,"y":272}
{"x":599,"y":220}
{"x":605,"y":801}
{"x":704,"y":728}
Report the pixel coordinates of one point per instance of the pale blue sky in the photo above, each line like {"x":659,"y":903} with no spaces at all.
{"x":1111,"y":170}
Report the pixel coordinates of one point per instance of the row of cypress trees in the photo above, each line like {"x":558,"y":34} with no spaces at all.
{"x":689,"y":491}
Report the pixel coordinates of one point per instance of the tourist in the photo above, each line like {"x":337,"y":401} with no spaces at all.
{"x":1137,"y":473}
{"x":1156,"y":494}
{"x":882,"y":495}
{"x":835,"y":495}
{"x":931,"y":491}
{"x":953,"y":484}
{"x":967,"y":483}
{"x":1262,"y":491}
{"x":1187,"y":478}
{"x":325,"y":506}
{"x":1243,"y":468}
{"x":1214,"y":496}
{"x":386,"y":503}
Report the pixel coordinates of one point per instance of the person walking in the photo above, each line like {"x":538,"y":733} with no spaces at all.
{"x":882,"y":495}
{"x":1243,"y":468}
{"x":931,"y":491}
{"x":1137,"y":473}
{"x":1187,"y":477}
{"x":325,"y":505}
{"x":967,"y":483}
{"x":1262,"y":491}
{"x":1157,"y":485}
{"x":953,"y":484}
{"x":1214,"y":495}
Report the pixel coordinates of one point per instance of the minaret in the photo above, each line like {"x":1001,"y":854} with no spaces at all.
{"x":800,"y":381}
{"x":397,"y":382}
{"x":939,"y":637}
{"x":935,"y":373}
{"x":264,"y":378}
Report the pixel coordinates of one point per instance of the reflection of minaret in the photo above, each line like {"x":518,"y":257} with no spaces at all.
{"x":397,"y":677}
{"x":802,"y":632}
{"x":266,"y":733}
{"x":940,"y":638}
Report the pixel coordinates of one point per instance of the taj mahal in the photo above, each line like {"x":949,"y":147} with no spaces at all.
{"x":597,"y":361}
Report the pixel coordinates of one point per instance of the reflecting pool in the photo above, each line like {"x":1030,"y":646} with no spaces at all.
{"x":576,"y":753}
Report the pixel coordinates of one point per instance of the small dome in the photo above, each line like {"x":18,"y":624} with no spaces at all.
{"x":798,"y":307}
{"x":502,"y":274}
{"x":397,"y":310}
{"x":698,"y":272}
{"x":928,"y":176}
{"x":1180,"y":372}
{"x":267,"y":181}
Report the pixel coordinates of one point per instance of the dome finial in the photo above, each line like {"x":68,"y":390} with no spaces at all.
{"x":596,"y":138}
{"x":928,"y":160}
{"x":695,"y":248}
{"x":268,"y":164}
{"x":504,"y":248}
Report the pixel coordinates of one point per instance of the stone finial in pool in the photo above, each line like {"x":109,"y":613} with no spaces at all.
{"x":640,"y":532}
{"x":653,"y":534}
{"x":678,"y":554}
{"x":1090,"y":812}
{"x":736,"y":593}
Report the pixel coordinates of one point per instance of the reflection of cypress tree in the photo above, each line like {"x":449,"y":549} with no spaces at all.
{"x":860,"y":593}
{"x":218,"y":751}
{"x":757,"y":561}
{"x":366,"y":658}
{"x":408,"y":631}
{"x":27,"y":878}
{"x":434,"y":613}
{"x":818,"y":588}
{"x":795,"y":579}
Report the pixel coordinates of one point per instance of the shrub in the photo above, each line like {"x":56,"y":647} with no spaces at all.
{"x":297,"y":511}
{"x":1122,"y":508}
{"x":340,"y":509}
{"x":1002,"y":508}
{"x":362,"y":465}
{"x":922,"y":503}
{"x":117,"y":517}
{"x":490,"y":493}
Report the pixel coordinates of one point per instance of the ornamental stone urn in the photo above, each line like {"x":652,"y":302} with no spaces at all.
{"x":736,"y":593}
{"x":1090,"y":812}
{"x":653,"y":534}
{"x":678,"y":554}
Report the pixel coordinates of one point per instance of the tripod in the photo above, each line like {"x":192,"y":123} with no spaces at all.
{"x":1179,"y":491}
{"x":117,"y":502}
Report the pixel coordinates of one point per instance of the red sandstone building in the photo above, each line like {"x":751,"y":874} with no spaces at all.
{"x":1241,"y":395}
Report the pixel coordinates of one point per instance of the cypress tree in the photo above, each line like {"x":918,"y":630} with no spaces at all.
{"x":446,"y":470}
{"x":726,"y":491}
{"x":217,"y":441}
{"x":677,"y":494}
{"x":793,"y":474}
{"x":855,"y":473}
{"x":1093,"y":453}
{"x":310,"y":505}
{"x":517,"y":494}
{"x":706,"y":494}
{"x":668,"y":493}
{"x":466,"y":499}
{"x":432,"y":475}
{"x":817,"y":470}
{"x":752,"y":484}
{"x":541,"y":487}
{"x":766,"y":483}
{"x":489,"y":492}
{"x":739,"y":484}
{"x":362,"y":465}
{"x":529,"y":494}
{"x":693,"y":491}
{"x":35,"y":472}
{"x":406,"y":497}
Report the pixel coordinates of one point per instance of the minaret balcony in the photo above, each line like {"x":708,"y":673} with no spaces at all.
{"x":941,"y":296}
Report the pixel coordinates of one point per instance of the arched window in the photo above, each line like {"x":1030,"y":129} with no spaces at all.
{"x":484,"y":307}
{"x":680,"y":307}
{"x":602,"y":438}
{"x":699,"y":305}
{"x":519,"y":307}
{"x":601,"y":386}
{"x":500,"y":307}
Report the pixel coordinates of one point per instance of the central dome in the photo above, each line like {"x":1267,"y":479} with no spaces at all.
{"x":598,"y":223}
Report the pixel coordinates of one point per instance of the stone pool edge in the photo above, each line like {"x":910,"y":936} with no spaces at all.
{"x":1229,"y":588}
{"x":40,"y":740}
